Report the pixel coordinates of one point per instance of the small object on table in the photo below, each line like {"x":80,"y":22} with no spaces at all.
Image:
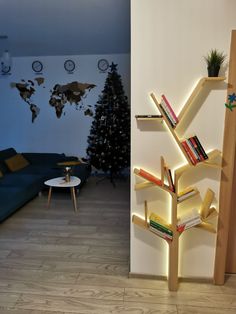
{"x":67,"y":172}
{"x":61,"y":182}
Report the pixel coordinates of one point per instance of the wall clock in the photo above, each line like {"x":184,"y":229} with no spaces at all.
{"x":103,"y":65}
{"x":37,"y":66}
{"x":69,"y":65}
{"x":5,"y":68}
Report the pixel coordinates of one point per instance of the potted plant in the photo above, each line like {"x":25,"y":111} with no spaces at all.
{"x":214,"y":60}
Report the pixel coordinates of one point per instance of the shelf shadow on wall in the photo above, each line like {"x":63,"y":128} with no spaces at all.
{"x":197,"y":104}
{"x":151,"y":126}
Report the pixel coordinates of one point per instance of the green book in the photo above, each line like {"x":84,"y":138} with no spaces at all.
{"x":160,"y":227}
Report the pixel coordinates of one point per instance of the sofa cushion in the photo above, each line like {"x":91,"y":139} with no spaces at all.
{"x":5,"y":154}
{"x":16,"y":162}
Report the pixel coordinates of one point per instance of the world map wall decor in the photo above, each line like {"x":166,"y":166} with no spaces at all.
{"x":72,"y":93}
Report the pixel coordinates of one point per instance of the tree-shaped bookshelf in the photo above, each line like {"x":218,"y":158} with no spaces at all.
{"x":195,"y":158}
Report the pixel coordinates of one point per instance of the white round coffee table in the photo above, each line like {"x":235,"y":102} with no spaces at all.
{"x":61,"y":183}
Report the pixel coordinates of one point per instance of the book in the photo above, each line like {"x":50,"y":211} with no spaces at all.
{"x":168,"y":112}
{"x":193,"y":142}
{"x":200,"y":147}
{"x":188,"y":225}
{"x":187,"y":190}
{"x":188,"y":216}
{"x":161,"y":234}
{"x":169,"y":178}
{"x":148,"y":176}
{"x":194,"y":151}
{"x":167,"y":117}
{"x":160,"y":227}
{"x":189,"y":152}
{"x":186,"y":195}
{"x":170,"y":108}
{"x":158,"y":219}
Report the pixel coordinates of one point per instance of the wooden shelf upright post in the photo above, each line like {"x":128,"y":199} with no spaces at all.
{"x":227,"y":174}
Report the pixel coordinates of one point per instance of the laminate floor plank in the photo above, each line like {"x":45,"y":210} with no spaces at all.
{"x":69,"y":256}
{"x":56,"y":261}
{"x":25,"y":276}
{"x":62,"y":290}
{"x":80,"y":267}
{"x":185,"y":309}
{"x":213,"y":300}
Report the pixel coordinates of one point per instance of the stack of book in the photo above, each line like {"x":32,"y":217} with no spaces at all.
{"x":168,"y":111}
{"x":148,"y":176}
{"x":194,"y":149}
{"x":160,"y":227}
{"x":186,"y":194}
{"x":188,"y":220}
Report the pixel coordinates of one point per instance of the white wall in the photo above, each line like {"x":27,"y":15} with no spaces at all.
{"x":48,"y":133}
{"x":168,"y":41}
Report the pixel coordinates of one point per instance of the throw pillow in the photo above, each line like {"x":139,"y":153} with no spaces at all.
{"x":16,"y":162}
{"x":1,"y":174}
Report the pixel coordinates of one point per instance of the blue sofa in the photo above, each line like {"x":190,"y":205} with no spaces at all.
{"x":19,"y":187}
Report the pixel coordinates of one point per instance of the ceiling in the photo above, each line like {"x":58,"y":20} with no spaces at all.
{"x":65,"y":27}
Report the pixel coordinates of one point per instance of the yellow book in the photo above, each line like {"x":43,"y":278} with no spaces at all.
{"x":159,"y":220}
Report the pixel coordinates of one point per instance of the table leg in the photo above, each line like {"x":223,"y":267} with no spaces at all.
{"x":74,"y":198}
{"x":49,"y":196}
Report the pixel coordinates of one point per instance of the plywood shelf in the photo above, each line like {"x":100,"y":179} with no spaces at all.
{"x":158,"y":118}
{"x":171,"y":129}
{"x":147,"y":183}
{"x":196,"y":92}
{"x":186,"y":196}
{"x":210,"y":162}
{"x":207,"y":212}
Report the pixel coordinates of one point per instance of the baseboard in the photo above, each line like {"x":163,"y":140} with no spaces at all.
{"x":164,"y":278}
{"x":146,"y":276}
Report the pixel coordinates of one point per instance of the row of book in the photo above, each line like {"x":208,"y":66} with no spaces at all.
{"x":194,"y":150}
{"x":186,"y":194}
{"x":168,"y":111}
{"x":148,"y":176}
{"x":189,"y":220}
{"x":160,"y":227}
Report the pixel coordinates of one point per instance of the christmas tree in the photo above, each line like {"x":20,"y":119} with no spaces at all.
{"x":109,"y":139}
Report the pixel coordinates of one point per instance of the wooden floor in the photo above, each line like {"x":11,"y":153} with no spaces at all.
{"x":56,"y":261}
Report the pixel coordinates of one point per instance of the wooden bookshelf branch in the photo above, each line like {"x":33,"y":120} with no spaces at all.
{"x":195,"y":156}
{"x":139,"y":222}
{"x":170,"y":128}
{"x":148,"y":225}
{"x":148,"y":183}
{"x":206,"y":227}
{"x":196,"y":92}
{"x":209,"y":163}
{"x":185,"y":196}
{"x":205,"y":207}
{"x":149,"y":118}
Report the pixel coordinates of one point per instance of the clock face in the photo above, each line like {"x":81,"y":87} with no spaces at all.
{"x":103,"y":65}
{"x":37,"y":66}
{"x":69,"y":65}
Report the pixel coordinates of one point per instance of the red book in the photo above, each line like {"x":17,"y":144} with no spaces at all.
{"x":170,"y":108}
{"x":149,"y":177}
{"x":189,"y":153}
{"x":196,"y":148}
